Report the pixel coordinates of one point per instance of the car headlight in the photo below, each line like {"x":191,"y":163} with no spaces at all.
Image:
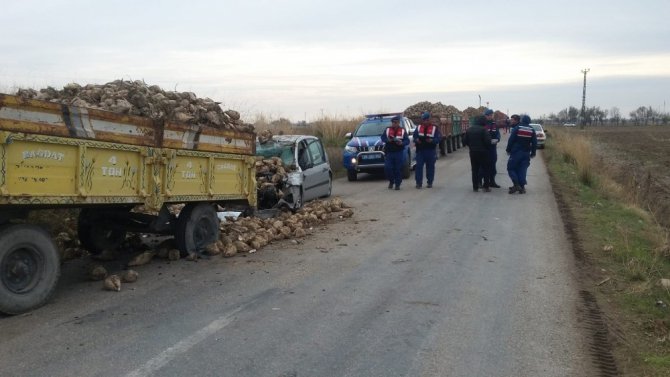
{"x":350,"y":149}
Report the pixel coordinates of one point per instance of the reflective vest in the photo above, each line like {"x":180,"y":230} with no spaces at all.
{"x":524,"y":136}
{"x":393,"y":132}
{"x":426,"y":130}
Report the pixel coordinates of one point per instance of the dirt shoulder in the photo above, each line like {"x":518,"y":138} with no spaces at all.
{"x":616,"y":246}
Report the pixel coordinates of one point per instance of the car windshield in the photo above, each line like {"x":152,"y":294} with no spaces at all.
{"x":274,"y":148}
{"x":372,"y":127}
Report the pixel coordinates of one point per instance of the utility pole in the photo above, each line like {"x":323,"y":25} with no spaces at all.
{"x":480,"y":100}
{"x":583,"y":114}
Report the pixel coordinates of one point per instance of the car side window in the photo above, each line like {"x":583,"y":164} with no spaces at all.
{"x":316,"y":152}
{"x":303,"y":156}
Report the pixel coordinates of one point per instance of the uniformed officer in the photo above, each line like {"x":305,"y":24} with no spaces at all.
{"x":521,"y":147}
{"x":426,"y":138}
{"x":494,"y":132}
{"x":395,"y":138}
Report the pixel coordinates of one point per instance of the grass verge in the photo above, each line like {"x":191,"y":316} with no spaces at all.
{"x":624,"y":256}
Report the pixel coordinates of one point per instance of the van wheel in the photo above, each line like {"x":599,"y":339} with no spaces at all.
{"x":29,"y":268}
{"x":352,"y":175}
{"x":197,"y":227}
{"x":100,"y":229}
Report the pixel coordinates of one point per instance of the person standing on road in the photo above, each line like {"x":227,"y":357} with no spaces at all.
{"x":478,"y":141}
{"x":514,"y":121}
{"x":426,"y":138}
{"x":521,"y":147}
{"x":494,"y":132}
{"x":395,"y":138}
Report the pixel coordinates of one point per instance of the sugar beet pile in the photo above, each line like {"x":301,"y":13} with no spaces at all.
{"x":138,"y":98}
{"x":237,"y":236}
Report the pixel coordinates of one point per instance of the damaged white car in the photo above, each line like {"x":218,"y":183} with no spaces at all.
{"x":306,"y":175}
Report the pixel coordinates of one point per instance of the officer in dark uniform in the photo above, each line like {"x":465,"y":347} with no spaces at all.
{"x":521,"y":147}
{"x":426,"y":138}
{"x":395,"y":138}
{"x":494,"y":132}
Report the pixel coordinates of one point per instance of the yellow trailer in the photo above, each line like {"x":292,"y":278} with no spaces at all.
{"x":57,"y":156}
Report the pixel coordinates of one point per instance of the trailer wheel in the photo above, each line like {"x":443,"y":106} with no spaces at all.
{"x":29,"y":268}
{"x":101,"y":229}
{"x":197,"y":227}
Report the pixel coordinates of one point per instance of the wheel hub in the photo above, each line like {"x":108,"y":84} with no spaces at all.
{"x":19,"y":270}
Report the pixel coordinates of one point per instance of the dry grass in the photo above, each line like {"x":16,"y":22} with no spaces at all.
{"x":576,"y":150}
{"x":622,"y":233}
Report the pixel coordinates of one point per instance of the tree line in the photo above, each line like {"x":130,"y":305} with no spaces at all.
{"x":595,"y":116}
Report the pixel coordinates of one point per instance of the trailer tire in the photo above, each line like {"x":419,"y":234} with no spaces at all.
{"x":100,"y":229}
{"x":29,"y":268}
{"x":197,"y":227}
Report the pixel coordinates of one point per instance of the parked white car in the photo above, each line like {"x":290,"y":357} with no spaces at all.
{"x":541,"y":135}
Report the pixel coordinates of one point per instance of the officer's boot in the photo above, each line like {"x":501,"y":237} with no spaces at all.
{"x":522,"y":190}
{"x":515,"y":188}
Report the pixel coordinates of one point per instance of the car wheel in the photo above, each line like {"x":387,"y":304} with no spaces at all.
{"x":197,"y":227}
{"x":29,"y":268}
{"x":352,"y":175}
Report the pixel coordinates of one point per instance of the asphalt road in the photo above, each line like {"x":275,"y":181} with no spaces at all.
{"x":431,"y":282}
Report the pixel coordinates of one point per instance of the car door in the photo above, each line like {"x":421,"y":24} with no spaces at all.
{"x":316,"y":175}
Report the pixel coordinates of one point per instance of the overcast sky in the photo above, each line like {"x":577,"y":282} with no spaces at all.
{"x":299,"y":59}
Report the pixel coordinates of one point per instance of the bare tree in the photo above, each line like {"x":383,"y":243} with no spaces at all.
{"x":615,"y":115}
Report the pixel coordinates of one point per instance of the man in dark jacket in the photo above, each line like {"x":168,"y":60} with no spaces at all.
{"x":395,"y":138}
{"x":494,"y":132}
{"x":521,"y":147}
{"x":426,"y":138}
{"x":478,"y":141}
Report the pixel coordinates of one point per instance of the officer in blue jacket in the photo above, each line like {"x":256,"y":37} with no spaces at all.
{"x":395,"y":139}
{"x":426,"y":138}
{"x":521,"y":147}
